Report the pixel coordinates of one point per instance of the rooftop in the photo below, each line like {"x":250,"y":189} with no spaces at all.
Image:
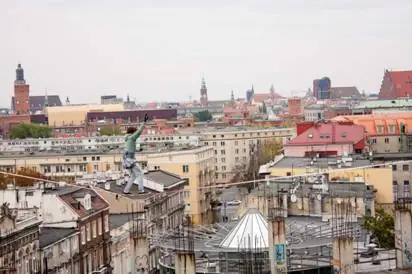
{"x":51,"y":235}
{"x":341,"y":92}
{"x":72,"y":200}
{"x":330,"y":133}
{"x":296,"y":162}
{"x":396,"y":103}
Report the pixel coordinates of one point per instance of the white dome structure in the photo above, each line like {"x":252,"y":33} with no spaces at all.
{"x":250,"y":233}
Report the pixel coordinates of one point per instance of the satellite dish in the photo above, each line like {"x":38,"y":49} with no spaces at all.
{"x":293,"y":198}
{"x":319,"y":197}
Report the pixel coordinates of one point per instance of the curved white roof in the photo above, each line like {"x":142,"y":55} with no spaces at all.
{"x":250,"y":233}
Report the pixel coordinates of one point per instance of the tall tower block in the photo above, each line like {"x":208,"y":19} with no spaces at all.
{"x":203,"y":93}
{"x":21,"y":93}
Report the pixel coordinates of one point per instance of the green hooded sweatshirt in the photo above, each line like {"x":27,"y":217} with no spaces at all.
{"x":130,"y":142}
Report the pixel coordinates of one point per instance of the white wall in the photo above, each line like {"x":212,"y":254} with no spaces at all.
{"x":55,"y":211}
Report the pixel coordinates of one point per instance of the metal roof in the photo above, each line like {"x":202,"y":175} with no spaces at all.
{"x":250,"y":233}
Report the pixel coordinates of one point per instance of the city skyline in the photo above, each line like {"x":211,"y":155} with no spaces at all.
{"x":159,"y":52}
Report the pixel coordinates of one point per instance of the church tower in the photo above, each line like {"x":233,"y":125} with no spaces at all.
{"x":203,"y":93}
{"x":21,"y":93}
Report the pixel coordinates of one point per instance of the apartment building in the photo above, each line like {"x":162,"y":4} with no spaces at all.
{"x":75,"y":207}
{"x":386,"y":133}
{"x":196,"y":165}
{"x":59,"y":248}
{"x":340,"y":169}
{"x":19,"y":241}
{"x":233,"y":147}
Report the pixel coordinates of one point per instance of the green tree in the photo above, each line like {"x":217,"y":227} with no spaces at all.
{"x":382,"y":227}
{"x":23,"y":131}
{"x":110,"y":130}
{"x":203,"y":116}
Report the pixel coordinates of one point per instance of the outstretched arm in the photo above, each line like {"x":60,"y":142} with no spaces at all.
{"x":138,"y":132}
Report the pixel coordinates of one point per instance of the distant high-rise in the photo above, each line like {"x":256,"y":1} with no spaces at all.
{"x":321,"y":88}
{"x":21,"y":93}
{"x":203,"y":93}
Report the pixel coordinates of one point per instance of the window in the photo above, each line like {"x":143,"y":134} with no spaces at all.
{"x":386,"y":140}
{"x":288,"y":173}
{"x":99,"y":226}
{"x":217,"y":176}
{"x":406,"y":188}
{"x":88,"y":232}
{"x":94,"y":229}
{"x":222,"y":136}
{"x":214,"y":143}
{"x":83,"y":235}
{"x":185,"y":168}
{"x":206,"y":143}
{"x":391,"y":128}
{"x":216,"y":168}
{"x":224,"y":176}
{"x":222,"y":143}
{"x":87,"y":202}
{"x":373,"y":141}
{"x":223,"y":168}
{"x":223,"y":152}
{"x":405,"y":167}
{"x":223,"y":160}
{"x":106,"y":223}
{"x":214,"y":136}
{"x":237,"y":159}
{"x":394,"y":167}
{"x":237,"y":151}
{"x":96,"y":167}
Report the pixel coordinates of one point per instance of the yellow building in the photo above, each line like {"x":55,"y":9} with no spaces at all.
{"x":194,"y":163}
{"x":197,"y":166}
{"x":379,"y":178}
{"x":76,"y":114}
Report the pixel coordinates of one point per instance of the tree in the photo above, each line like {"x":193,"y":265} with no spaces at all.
{"x":260,"y":154}
{"x":21,"y":181}
{"x":23,"y":131}
{"x":382,"y":227}
{"x":110,"y":130}
{"x":203,"y":116}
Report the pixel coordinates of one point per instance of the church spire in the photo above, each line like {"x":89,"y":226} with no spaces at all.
{"x":203,"y":92}
{"x":46,"y":99}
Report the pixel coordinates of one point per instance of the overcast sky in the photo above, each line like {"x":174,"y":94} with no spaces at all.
{"x":159,"y":50}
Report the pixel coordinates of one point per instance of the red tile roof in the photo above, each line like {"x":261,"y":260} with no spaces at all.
{"x":70,"y":198}
{"x":389,"y":122}
{"x":330,"y":133}
{"x":402,"y":80}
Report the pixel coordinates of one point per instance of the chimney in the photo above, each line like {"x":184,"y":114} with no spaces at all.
{"x":107,"y":186}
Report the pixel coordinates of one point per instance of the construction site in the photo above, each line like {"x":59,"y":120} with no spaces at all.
{"x":302,"y":224}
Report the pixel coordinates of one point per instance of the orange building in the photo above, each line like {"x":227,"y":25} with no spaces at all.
{"x":390,"y":132}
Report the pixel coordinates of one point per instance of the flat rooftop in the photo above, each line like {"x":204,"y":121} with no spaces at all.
{"x":303,"y":162}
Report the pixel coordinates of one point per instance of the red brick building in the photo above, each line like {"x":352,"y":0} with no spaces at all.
{"x":295,"y":107}
{"x":396,"y":84}
{"x":21,"y":93}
